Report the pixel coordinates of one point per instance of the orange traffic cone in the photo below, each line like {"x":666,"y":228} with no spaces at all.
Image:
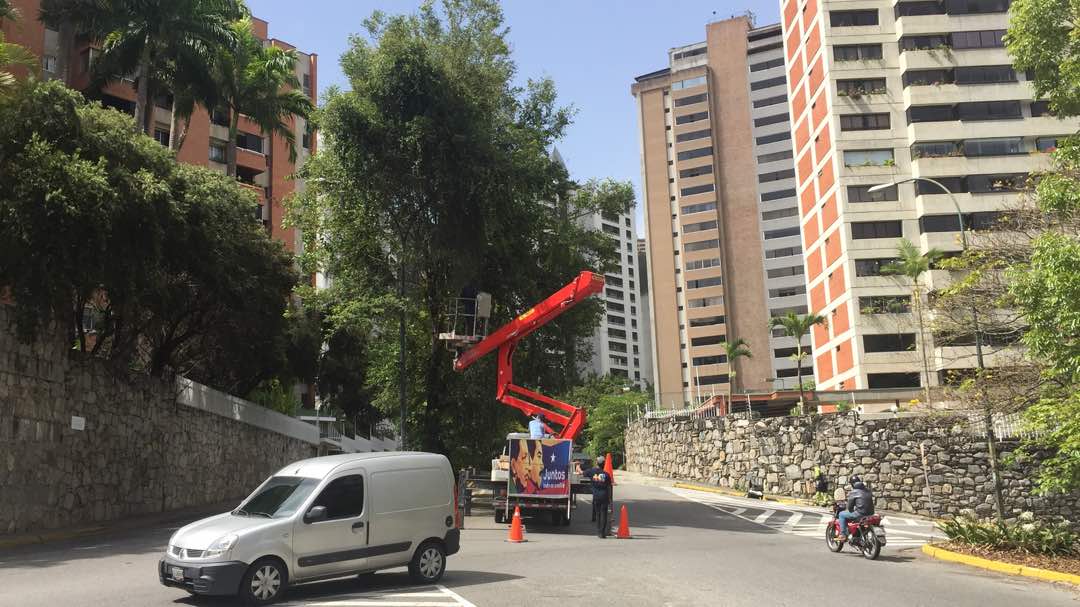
{"x":624,"y":524}
{"x":609,"y":468}
{"x":517,"y":534}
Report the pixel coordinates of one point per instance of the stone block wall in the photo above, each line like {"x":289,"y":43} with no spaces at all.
{"x":781,"y":454}
{"x":140,"y":452}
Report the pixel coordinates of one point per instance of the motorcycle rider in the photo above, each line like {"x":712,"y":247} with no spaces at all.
{"x":860,"y":503}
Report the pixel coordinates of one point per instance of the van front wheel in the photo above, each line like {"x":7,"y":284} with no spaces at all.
{"x":264,"y":582}
{"x":428,"y":563}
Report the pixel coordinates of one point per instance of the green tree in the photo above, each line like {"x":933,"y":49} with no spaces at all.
{"x":608,"y":401}
{"x":796,"y":327}
{"x":435,"y":179}
{"x":1043,"y":41}
{"x":259,"y":82}
{"x":141,"y":36}
{"x":912,"y":263}
{"x":736,"y":349}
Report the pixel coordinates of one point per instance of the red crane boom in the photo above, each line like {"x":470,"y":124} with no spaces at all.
{"x":505,"y":340}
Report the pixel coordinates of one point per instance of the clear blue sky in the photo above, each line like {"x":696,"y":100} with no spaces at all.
{"x":591,"y":48}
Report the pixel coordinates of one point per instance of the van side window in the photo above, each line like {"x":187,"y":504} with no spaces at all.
{"x":343,"y":497}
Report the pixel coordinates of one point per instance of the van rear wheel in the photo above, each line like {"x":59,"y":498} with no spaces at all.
{"x":428,"y":563}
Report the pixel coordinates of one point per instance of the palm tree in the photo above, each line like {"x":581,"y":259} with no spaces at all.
{"x":259,"y":82}
{"x":797,"y":326}
{"x":736,"y":349}
{"x":7,"y":11}
{"x":911,"y":263}
{"x":142,"y":35}
{"x":11,"y":55}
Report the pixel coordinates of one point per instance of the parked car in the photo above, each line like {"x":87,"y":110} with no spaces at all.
{"x":322,"y":518}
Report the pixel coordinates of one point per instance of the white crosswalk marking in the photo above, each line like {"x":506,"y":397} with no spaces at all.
{"x":428,"y":596}
{"x":806,"y":521}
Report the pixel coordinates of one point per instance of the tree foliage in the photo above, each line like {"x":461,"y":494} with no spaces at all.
{"x":94,"y":216}
{"x":797,"y":326}
{"x":434,"y":179}
{"x":1043,"y":39}
{"x":609,"y":401}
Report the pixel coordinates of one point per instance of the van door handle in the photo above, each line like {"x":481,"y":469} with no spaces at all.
{"x":358,"y":525}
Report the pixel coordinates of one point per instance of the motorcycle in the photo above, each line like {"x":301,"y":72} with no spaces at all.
{"x":865,"y":534}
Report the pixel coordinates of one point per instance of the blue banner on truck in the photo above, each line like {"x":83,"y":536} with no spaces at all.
{"x":540,"y":467}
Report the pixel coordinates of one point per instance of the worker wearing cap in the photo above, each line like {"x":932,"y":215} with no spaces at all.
{"x":601,"y":496}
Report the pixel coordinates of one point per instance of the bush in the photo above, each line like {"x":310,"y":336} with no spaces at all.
{"x":1024,"y":534}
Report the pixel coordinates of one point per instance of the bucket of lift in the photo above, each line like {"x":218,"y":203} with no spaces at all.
{"x":467,"y":322}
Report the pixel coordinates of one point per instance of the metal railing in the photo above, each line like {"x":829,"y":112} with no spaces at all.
{"x":1006,"y":425}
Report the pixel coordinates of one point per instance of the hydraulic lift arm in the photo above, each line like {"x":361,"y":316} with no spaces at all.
{"x":505,"y":340}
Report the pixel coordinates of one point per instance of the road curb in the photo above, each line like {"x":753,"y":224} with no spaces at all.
{"x":51,"y":536}
{"x":723,"y":491}
{"x":1000,"y":567}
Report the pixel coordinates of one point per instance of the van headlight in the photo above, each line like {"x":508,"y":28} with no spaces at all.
{"x":221,"y":546}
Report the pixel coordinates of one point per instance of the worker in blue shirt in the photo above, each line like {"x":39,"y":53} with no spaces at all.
{"x":536,"y":426}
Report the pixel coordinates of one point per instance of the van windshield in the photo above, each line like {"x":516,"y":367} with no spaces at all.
{"x":278,"y":497}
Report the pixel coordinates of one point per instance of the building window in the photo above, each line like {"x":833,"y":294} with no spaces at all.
{"x":709,"y":380}
{"x":699,"y":227}
{"x":865,"y":158}
{"x":788,"y":271}
{"x":616,"y":333}
{"x":161,"y":135}
{"x":983,"y":39}
{"x":919,"y":8}
{"x":1002,"y":146}
{"x":770,"y":100}
{"x":876,"y":229}
{"x":1047,"y":144}
{"x":1040,"y":108}
{"x":779,"y":312}
{"x":861,"y":86}
{"x":779,"y":214}
{"x":48,"y":63}
{"x":872,"y":267}
{"x":989,"y":110}
{"x":690,"y":100}
{"x":718,"y":359}
{"x":617,"y":360}
{"x":615,"y":346}
{"x":767,"y":120}
{"x":706,"y":321}
{"x":616,"y":320}
{"x":936,"y":149}
{"x":764,"y":65}
{"x":763,"y":158}
{"x":307,"y":84}
{"x":705,"y":302}
{"x":250,"y":142}
{"x":770,"y":234}
{"x":220,"y":117}
{"x":777,"y":195}
{"x":853,"y":18}
{"x":806,"y":371}
{"x":862,"y":193}
{"x":702,"y":245}
{"x":776,"y":176}
{"x":889,"y":342}
{"x":697,"y":189}
{"x":787,"y":291}
{"x":765,"y":47}
{"x":217,"y":152}
{"x":767,"y":139}
{"x":976,"y":7}
{"x":688,"y":118}
{"x":984,"y":220}
{"x":984,"y":74}
{"x":615,"y":293}
{"x":986,"y":184}
{"x":785,"y":352}
{"x":698,"y":153}
{"x":688,"y":83}
{"x":695,"y":171}
{"x":690,"y":53}
{"x":701,"y":283}
{"x":930,"y":113}
{"x":692,"y":135}
{"x":857,"y":52}
{"x":892,"y":380}
{"x":708,"y":340}
{"x":615,"y":307}
{"x":885,"y":304}
{"x":690,"y":209}
{"x":864,"y":122}
{"x":784,"y":252}
{"x":701,"y":264}
{"x":927,"y":77}
{"x":925,"y":42}
{"x":768,"y":83}
{"x":614,"y":281}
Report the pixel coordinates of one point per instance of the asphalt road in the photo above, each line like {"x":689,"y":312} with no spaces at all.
{"x":685,"y":551}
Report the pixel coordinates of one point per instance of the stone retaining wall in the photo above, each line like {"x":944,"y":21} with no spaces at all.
{"x":140,"y":450}
{"x":781,"y":454}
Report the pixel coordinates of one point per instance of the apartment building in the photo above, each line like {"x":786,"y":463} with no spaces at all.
{"x":883,"y":92}
{"x":263,"y":163}
{"x":723,"y":241}
{"x":644,"y":319}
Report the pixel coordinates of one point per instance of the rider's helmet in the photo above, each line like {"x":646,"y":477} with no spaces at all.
{"x":599,"y":460}
{"x":855,"y":480}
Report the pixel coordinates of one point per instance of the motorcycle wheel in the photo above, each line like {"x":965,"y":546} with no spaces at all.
{"x":871,"y":548}
{"x":830,"y":538}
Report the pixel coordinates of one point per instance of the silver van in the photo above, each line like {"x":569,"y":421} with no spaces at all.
{"x":322,"y":518}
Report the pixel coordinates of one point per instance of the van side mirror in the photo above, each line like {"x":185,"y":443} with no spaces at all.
{"x":316,"y":514}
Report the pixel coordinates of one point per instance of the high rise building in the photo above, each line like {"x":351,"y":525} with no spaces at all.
{"x":724,"y":251}
{"x":263,"y":163}
{"x":616,"y":343}
{"x":885,"y":92}
{"x":645,"y":321}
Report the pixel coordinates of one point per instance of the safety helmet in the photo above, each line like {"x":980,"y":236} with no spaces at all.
{"x":600,"y":459}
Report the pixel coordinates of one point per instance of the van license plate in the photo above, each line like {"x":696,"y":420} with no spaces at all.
{"x":178,"y":574}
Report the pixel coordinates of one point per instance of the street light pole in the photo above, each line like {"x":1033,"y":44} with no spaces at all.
{"x":988,"y":422}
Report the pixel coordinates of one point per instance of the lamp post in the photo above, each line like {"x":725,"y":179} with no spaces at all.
{"x":988,"y":421}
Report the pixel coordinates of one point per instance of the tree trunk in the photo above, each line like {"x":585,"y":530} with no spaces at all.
{"x":63,"y":62}
{"x":798,"y":378}
{"x":230,"y":147}
{"x":917,"y":296}
{"x":142,"y":92}
{"x":174,"y":125}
